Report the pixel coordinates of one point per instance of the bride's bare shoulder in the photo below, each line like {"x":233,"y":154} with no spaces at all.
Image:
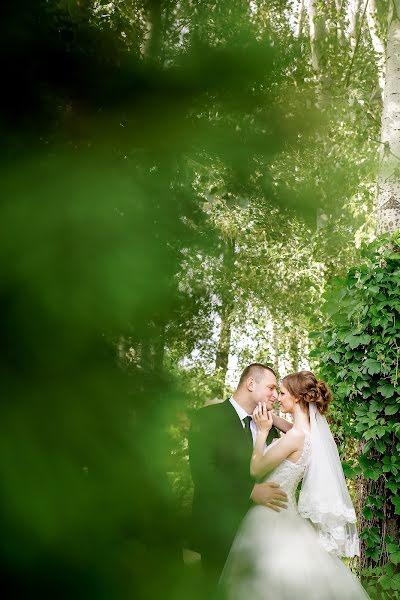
{"x":296,"y":435}
{"x":296,"y":432}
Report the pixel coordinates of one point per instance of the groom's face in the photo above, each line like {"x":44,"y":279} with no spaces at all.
{"x":265,"y":390}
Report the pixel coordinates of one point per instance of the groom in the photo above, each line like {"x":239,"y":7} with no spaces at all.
{"x":220,"y":447}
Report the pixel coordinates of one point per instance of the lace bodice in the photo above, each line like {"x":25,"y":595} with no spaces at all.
{"x":288,"y":474}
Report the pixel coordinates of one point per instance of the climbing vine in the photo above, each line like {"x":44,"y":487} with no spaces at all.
{"x":358,"y":353}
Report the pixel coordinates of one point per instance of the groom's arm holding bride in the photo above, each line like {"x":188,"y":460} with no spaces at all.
{"x":269,"y":494}
{"x":280,"y":423}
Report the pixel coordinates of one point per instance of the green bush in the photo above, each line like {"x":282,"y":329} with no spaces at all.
{"x":358,"y":354}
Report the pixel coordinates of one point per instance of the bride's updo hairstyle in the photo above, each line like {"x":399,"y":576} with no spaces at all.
{"x":304,"y":386}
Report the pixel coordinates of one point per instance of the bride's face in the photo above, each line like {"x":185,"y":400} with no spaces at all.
{"x":286,"y":400}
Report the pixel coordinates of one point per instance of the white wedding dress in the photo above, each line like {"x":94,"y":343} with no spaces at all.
{"x":278,"y":556}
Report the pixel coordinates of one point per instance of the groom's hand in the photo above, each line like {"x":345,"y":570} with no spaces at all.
{"x":269,"y":494}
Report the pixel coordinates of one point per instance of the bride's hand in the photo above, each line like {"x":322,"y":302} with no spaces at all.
{"x":262,"y":418}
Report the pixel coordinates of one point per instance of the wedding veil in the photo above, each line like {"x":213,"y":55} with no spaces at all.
{"x":324,"y":497}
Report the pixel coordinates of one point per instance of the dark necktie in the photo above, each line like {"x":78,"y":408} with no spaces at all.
{"x":247,"y":420}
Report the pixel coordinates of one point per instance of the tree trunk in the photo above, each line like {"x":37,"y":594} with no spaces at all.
{"x":153,"y":36}
{"x":377,"y":42}
{"x":221,"y":361}
{"x":354,"y":17}
{"x":315,"y":35}
{"x":300,"y":19}
{"x":275,"y":345}
{"x":222,"y":357}
{"x":388,"y":526}
{"x":294,"y":353}
{"x":340,"y":26}
{"x":388,"y":220}
{"x":388,"y":188}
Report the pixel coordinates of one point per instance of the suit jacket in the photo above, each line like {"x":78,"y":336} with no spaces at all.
{"x":220,"y":450}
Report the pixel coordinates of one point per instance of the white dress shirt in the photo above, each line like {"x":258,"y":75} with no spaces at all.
{"x":242,"y":414}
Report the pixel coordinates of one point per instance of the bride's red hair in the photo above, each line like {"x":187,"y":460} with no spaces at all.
{"x":305,"y":386}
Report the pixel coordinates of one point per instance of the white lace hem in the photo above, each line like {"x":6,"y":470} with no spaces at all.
{"x":336,"y":530}
{"x":340,"y":542}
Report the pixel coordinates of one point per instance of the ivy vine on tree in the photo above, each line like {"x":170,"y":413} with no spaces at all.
{"x":359,"y":353}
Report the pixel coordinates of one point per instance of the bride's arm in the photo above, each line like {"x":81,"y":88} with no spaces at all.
{"x":262,"y":464}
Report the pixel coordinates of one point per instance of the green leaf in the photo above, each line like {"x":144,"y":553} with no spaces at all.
{"x":392,"y":547}
{"x":396,"y":503}
{"x":395,"y":557}
{"x":380,"y":431}
{"x":392,"y":486}
{"x":377,"y":501}
{"x":372,"y":366}
{"x":367,"y":512}
{"x":357,"y":340}
{"x":315,"y":353}
{"x":391,"y":409}
{"x":374,"y":289}
{"x":374,"y":554}
{"x":386,"y":390}
{"x":385,"y":581}
{"x":396,"y":582}
{"x":370,"y":473}
{"x":375,"y":406}
{"x":371,"y":535}
{"x":335,"y":356}
{"x":380,"y":446}
{"x":361,"y":384}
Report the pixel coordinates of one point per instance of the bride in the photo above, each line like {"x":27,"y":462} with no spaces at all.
{"x":295,"y":554}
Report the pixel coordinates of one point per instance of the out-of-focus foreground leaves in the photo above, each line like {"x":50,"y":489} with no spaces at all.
{"x":97,"y":201}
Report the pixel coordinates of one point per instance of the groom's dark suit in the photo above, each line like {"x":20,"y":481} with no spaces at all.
{"x":220,"y":451}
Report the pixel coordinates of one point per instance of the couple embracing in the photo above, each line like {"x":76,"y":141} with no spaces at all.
{"x":257,"y":542}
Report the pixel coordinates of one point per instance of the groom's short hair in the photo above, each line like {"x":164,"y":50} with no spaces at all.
{"x":255,"y":370}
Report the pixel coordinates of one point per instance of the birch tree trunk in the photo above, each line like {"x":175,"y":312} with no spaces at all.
{"x":315,"y":35}
{"x":340,"y":27}
{"x":354,"y":18}
{"x":294,"y":353}
{"x":377,"y":41}
{"x":275,"y":345}
{"x":222,"y":357}
{"x":153,"y":35}
{"x":388,"y":188}
{"x":388,"y":220}
{"x":221,"y":361}
{"x":300,"y":19}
